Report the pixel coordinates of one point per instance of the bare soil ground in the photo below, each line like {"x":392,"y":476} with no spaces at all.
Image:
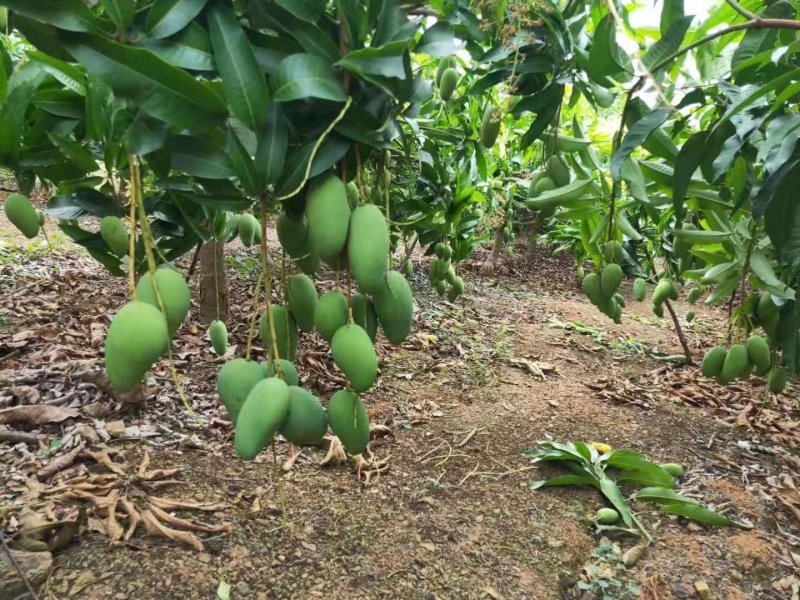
{"x":454,"y":517}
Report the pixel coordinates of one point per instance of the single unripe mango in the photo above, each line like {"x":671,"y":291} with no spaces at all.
{"x":287,"y":371}
{"x":558,"y":171}
{"x":490,"y":125}
{"x":364,"y":315}
{"x":447,"y":83}
{"x":368,"y":247}
{"x":607,"y":516}
{"x":328,"y":216}
{"x":218,"y":334}
{"x":249,"y":228}
{"x":673,"y":469}
{"x":22,"y":215}
{"x":394,"y":305}
{"x":306,"y":422}
{"x":591,"y":287}
{"x":758,"y":352}
{"x":713,"y":361}
{"x":285,"y":333}
{"x":349,"y":421}
{"x":301,"y":296}
{"x":174,"y":293}
{"x":263,"y":413}
{"x":235,"y":380}
{"x":776,"y":380}
{"x":115,"y":235}
{"x":610,"y":280}
{"x":735,"y":364}
{"x":136,"y":339}
{"x":331,"y":314}
{"x":293,"y":235}
{"x":639,"y":289}
{"x":354,"y":354}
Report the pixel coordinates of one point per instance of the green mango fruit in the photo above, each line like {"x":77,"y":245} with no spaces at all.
{"x":249,"y":229}
{"x":235,"y":380}
{"x":735,"y":364}
{"x":218,"y":334}
{"x":368,"y":247}
{"x":490,"y":125}
{"x":306,"y":422}
{"x":610,"y":279}
{"x":776,"y":380}
{"x":285,"y":333}
{"x":394,"y":305}
{"x":301,"y":297}
{"x":354,"y":354}
{"x":558,"y":171}
{"x":591,"y":287}
{"x":22,"y":215}
{"x":263,"y":413}
{"x":448,"y":83}
{"x":328,"y":216}
{"x":174,"y":293}
{"x":137,"y":338}
{"x":288,"y":372}
{"x":713,"y":361}
{"x":331,"y":314}
{"x":348,"y":419}
{"x":758,"y":352}
{"x":115,"y":235}
{"x":639,"y":289}
{"x":364,"y":314}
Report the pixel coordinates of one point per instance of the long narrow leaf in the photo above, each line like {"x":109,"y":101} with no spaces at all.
{"x":242,"y":80}
{"x":636,"y":136}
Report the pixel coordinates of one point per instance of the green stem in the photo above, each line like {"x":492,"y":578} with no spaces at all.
{"x":742,"y":10}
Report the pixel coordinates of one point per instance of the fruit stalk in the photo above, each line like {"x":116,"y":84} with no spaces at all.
{"x":147,"y":241}
{"x":132,"y":247}
{"x":268,"y":284}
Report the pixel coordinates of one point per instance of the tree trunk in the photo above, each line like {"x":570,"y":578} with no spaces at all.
{"x":491,"y":263}
{"x":532,"y":246}
{"x":213,"y":286}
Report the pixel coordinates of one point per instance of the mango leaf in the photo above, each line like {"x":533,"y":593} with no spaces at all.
{"x":69,"y":75}
{"x":310,"y":36}
{"x":777,"y":200}
{"x":273,"y":140}
{"x":675,"y":504}
{"x":762,"y":267}
{"x":82,"y":202}
{"x":121,"y":12}
{"x":331,"y":151}
{"x":12,"y":119}
{"x":59,"y":102}
{"x":98,"y":96}
{"x":242,"y":80}
{"x":669,"y":42}
{"x":307,"y":10}
{"x":702,"y":238}
{"x":385,"y":61}
{"x":168,"y":17}
{"x":243,"y":165}
{"x":69,"y":15}
{"x":189,"y":49}
{"x":145,"y":135}
{"x":686,"y":163}
{"x":774,"y":187}
{"x":74,"y":152}
{"x":200,"y":158}
{"x":306,"y":76}
{"x":606,"y":58}
{"x":563,"y":480}
{"x":439,"y":40}
{"x":636,"y":135}
{"x":671,"y":12}
{"x":164,"y":91}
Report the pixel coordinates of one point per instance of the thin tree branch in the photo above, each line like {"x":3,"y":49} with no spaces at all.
{"x":742,"y":10}
{"x":679,"y":330}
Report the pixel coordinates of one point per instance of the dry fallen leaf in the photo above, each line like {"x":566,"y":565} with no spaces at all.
{"x":37,"y":414}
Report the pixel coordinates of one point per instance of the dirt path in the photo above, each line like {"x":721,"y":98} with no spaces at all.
{"x":454,"y":517}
